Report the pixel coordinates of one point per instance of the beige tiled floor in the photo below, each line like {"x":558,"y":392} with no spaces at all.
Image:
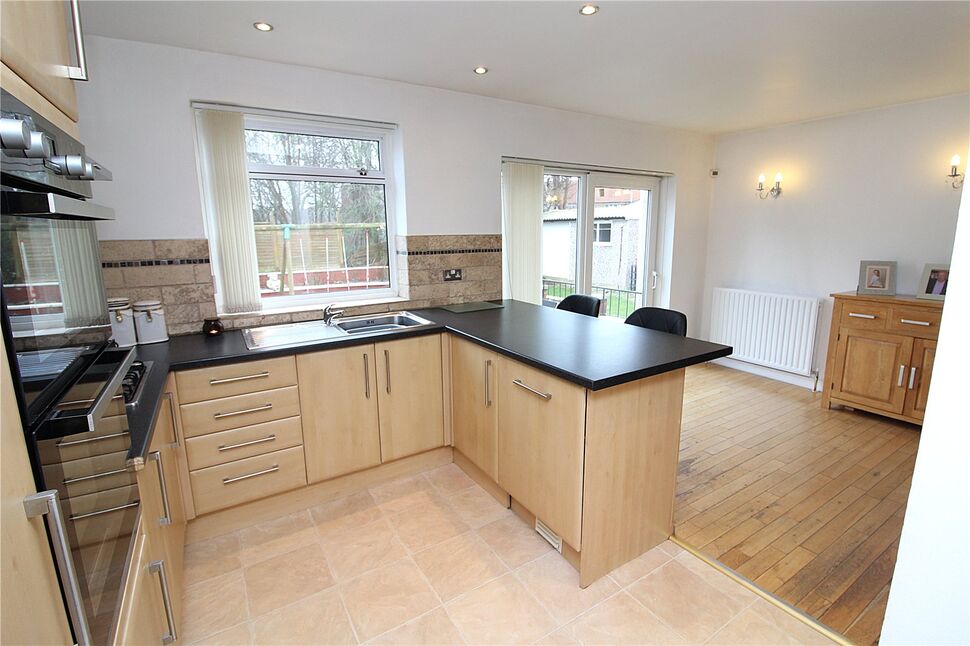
{"x":433,"y":559}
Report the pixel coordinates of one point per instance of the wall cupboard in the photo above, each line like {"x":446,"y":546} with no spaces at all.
{"x":880,"y":355}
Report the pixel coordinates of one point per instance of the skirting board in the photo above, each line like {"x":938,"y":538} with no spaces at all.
{"x":812,"y":383}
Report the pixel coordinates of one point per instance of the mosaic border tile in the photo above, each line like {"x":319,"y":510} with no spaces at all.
{"x":442,"y":252}
{"x":155,"y":263}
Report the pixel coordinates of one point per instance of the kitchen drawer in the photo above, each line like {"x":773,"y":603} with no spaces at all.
{"x":237,"y":482}
{"x":915,"y":321}
{"x":864,"y":316}
{"x":225,"y":446}
{"x":90,"y":475}
{"x":241,"y":410}
{"x":110,"y":437}
{"x":96,"y":515}
{"x":235,"y":379}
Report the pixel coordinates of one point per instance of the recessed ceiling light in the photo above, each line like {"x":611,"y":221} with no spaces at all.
{"x":589,"y":9}
{"x":481,"y":70}
{"x":263,"y":26}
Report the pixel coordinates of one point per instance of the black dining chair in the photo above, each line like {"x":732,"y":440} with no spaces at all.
{"x":581,"y":304}
{"x":657,"y":318}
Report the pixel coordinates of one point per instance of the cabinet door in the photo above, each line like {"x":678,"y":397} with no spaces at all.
{"x":168,"y":529}
{"x":36,"y":43}
{"x":540,"y":445}
{"x":871,"y":369}
{"x":918,"y":380}
{"x":142,"y":619}
{"x":338,"y":405}
{"x":409,"y":396}
{"x":473,"y":382}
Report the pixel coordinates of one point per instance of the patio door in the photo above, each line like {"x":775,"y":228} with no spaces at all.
{"x":599,"y":237}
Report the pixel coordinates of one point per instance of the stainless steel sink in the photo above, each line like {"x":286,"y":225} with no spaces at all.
{"x":380,"y":323}
{"x":274,"y":336}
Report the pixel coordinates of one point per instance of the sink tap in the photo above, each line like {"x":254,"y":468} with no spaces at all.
{"x":330,"y":315}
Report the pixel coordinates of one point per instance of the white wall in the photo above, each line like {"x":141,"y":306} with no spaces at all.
{"x":865,"y":186}
{"x":929,"y":602}
{"x":137,"y":120}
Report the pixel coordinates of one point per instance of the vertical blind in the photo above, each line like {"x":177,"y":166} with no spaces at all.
{"x":522,"y":231}
{"x":226,"y":186}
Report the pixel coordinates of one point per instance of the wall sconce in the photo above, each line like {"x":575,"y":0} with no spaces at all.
{"x":774,"y":191}
{"x":955,"y":177}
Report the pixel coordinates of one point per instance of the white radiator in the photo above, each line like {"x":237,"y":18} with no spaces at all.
{"x":772,"y":330}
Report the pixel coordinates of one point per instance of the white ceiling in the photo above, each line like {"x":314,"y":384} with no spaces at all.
{"x":707,"y":66}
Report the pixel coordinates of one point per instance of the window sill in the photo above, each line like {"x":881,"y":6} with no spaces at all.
{"x":294,"y":309}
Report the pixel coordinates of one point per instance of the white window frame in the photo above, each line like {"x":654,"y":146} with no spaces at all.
{"x":602,"y":225}
{"x":346,"y":129}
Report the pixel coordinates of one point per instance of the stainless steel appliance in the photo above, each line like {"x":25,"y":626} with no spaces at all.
{"x":72,"y":386}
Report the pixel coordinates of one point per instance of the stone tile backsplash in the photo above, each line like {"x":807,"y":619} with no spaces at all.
{"x":178,"y":273}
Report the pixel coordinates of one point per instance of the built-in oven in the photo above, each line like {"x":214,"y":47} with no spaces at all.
{"x":72,"y":384}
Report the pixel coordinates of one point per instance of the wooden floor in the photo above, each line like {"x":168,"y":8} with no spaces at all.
{"x":805,"y":502}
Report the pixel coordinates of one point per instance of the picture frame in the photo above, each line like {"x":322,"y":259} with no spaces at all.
{"x":932,"y":284}
{"x":877,"y":278}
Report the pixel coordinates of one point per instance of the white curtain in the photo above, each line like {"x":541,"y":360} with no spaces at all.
{"x":226,"y":186}
{"x":82,"y":291}
{"x":522,"y":231}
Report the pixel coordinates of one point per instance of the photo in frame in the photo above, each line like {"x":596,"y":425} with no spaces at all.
{"x":933,"y":283}
{"x":877,"y":278}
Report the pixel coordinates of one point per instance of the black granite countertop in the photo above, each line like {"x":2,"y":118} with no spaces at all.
{"x":592,"y":353}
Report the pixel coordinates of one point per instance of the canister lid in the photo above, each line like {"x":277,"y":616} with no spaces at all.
{"x":118,"y":303}
{"x":150,"y":304}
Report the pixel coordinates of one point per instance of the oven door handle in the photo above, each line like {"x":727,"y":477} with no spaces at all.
{"x":102,"y":401}
{"x":47,"y":504}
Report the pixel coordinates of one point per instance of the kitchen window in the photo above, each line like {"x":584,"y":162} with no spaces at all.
{"x":319,"y":228}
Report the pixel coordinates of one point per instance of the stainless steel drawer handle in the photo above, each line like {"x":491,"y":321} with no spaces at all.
{"x":46,"y":503}
{"x":229,"y":447}
{"x":912,"y":322}
{"x":91,"y":439}
{"x":156,"y":457}
{"x":158,"y":567}
{"x":546,"y":396}
{"x":366,"y":377}
{"x":91,"y":514}
{"x":387,"y":369}
{"x":257,"y":409}
{"x":103,"y":474}
{"x":273,"y":468}
{"x":488,"y":390}
{"x":232,"y":380}
{"x":899,"y":380}
{"x":856,"y":315}
{"x":175,"y":417}
{"x":912,"y":377}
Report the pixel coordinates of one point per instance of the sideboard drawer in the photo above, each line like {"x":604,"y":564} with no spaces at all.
{"x":231,"y":484}
{"x":864,"y":316}
{"x":915,"y":321}
{"x":238,"y":443}
{"x":242,"y":410}
{"x":235,"y":379}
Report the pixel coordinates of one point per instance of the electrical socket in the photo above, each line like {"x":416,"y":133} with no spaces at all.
{"x":451,"y":274}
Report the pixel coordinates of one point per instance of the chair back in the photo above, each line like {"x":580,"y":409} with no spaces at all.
{"x":660,"y":319}
{"x":581,"y":304}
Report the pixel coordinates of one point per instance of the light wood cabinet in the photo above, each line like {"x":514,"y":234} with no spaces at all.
{"x":410,"y":399}
{"x":338,"y":395}
{"x":540,"y":446}
{"x":162,"y":511}
{"x":474,"y":401}
{"x":142,"y":618}
{"x":37,"y":43}
{"x":881,"y":352}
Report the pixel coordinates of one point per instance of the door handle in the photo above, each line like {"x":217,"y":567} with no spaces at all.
{"x":488,"y":390}
{"x":912,"y":377}
{"x":387,"y":369}
{"x":366,"y":377}
{"x":899,"y":379}
{"x":654,"y":277}
{"x":47,"y":503}
{"x":79,"y":72}
{"x":158,"y":567}
{"x":156,"y":457}
{"x":171,"y":409}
